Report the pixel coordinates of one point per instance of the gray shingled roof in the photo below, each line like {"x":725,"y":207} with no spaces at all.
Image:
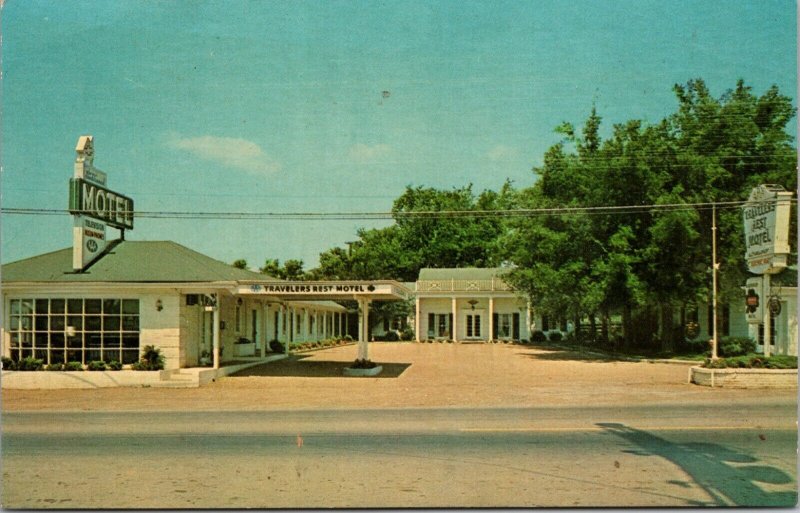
{"x":128,"y":261}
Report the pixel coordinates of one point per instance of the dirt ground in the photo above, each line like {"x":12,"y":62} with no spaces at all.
{"x":415,"y":375}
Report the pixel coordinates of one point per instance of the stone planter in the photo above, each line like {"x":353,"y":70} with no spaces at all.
{"x":349,"y":371}
{"x":744,"y":378}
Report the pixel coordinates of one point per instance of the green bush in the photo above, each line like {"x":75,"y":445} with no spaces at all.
{"x":151,"y":359}
{"x":54,"y":367}
{"x":407,"y":334}
{"x":73,"y":366}
{"x":752,"y":361}
{"x":8,"y":363}
{"x":392,"y":336}
{"x":275,"y":346}
{"x":555,"y":336}
{"x":114,"y":365}
{"x":538,"y":337}
{"x":30,"y":364}
{"x":96,"y":365}
{"x":347,"y":338}
{"x":736,"y":346}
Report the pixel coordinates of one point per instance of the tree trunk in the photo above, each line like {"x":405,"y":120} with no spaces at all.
{"x":592,"y":327}
{"x":627,"y":327}
{"x":666,"y":331}
{"x":604,"y":326}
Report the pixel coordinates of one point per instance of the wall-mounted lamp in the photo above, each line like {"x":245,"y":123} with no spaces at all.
{"x":239,"y":301}
{"x":472,"y":303}
{"x":159,"y":305}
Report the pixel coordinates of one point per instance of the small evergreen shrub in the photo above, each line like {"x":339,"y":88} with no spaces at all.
{"x":392,"y":336}
{"x":96,"y":365}
{"x":752,"y":361}
{"x":538,"y":337}
{"x":8,"y":363}
{"x":114,"y":365}
{"x":275,"y":346}
{"x":73,"y":366}
{"x":407,"y":334}
{"x":151,"y":359}
{"x":736,"y":346}
{"x":30,"y":364}
{"x":555,"y":336}
{"x":54,"y":367}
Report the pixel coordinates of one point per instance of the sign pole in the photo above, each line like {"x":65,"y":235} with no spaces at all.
{"x":767,"y":328}
{"x":715,"y":267}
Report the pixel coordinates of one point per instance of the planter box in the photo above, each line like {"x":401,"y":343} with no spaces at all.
{"x":30,"y":380}
{"x":349,"y":371}
{"x":744,"y":378}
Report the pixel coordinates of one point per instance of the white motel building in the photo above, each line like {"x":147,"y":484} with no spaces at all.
{"x":107,"y":299}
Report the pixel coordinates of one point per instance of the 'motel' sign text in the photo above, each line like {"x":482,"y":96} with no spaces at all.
{"x":100,"y":203}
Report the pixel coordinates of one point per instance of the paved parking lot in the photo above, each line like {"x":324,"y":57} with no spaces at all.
{"x":415,"y":375}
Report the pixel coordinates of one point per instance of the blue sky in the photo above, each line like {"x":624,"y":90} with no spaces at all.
{"x":266,"y":106}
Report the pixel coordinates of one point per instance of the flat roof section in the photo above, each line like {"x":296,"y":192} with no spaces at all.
{"x":383,"y":290}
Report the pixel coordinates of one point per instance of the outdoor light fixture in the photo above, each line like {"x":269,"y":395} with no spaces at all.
{"x":472,"y":303}
{"x":159,"y":305}
{"x":239,"y":301}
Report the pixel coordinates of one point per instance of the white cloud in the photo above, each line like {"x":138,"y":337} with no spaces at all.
{"x":238,"y":153}
{"x":365,"y":153}
{"x":501,"y":152}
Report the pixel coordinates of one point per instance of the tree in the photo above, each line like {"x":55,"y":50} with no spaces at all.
{"x":240,"y":263}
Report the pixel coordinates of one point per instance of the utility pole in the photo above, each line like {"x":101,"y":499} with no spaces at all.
{"x":714,"y":268}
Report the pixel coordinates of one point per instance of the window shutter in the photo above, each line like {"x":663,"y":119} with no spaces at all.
{"x":516,"y":327}
{"x":450,"y":320}
{"x":495,"y":320}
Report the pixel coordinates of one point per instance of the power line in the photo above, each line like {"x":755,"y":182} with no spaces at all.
{"x":430,"y":214}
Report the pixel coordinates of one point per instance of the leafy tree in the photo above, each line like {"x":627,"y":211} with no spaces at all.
{"x":240,"y":263}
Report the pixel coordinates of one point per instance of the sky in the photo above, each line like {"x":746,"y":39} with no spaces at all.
{"x":336,"y":106}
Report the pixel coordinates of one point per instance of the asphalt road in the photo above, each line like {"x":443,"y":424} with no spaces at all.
{"x":664,"y":455}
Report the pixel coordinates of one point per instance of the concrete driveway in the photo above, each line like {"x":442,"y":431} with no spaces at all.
{"x":415,"y":375}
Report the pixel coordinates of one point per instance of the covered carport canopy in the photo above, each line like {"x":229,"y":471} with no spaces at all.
{"x":362,"y":291}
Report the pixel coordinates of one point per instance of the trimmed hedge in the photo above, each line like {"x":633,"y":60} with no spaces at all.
{"x":736,"y":346}
{"x":753,"y":361}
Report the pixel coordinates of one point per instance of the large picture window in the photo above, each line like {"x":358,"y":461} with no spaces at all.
{"x":58,"y":330}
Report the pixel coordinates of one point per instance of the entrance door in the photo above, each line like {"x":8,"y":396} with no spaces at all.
{"x":473,"y":325}
{"x":206,"y":341}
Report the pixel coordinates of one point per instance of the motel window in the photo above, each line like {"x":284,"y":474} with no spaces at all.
{"x":504,"y":325}
{"x":439,"y":325}
{"x":58,"y":330}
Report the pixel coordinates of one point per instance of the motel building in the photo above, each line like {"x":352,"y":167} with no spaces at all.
{"x":469,"y":304}
{"x":106,"y":299}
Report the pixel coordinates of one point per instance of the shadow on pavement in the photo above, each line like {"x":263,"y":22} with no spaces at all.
{"x":300,"y":366}
{"x":709,"y":466}
{"x":553,"y":354}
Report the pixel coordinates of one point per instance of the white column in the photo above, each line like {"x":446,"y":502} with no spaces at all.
{"x":264,"y":329}
{"x":765,"y":309}
{"x":455,"y":321}
{"x":363,"y":329}
{"x":215,"y":331}
{"x":528,"y":322}
{"x":491,"y":318}
{"x":417,"y":319}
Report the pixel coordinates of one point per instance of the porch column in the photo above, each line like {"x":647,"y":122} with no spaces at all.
{"x":264,"y":329}
{"x":363,"y":329}
{"x":528,"y":321}
{"x":215,"y":333}
{"x":454,"y":327}
{"x":491,"y":318}
{"x":417,"y":319}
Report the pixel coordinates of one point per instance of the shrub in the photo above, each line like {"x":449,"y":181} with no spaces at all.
{"x":114,"y":365}
{"x":54,"y":367}
{"x":8,"y":363}
{"x":347,"y":338}
{"x":392,"y":336}
{"x":275,"y":346}
{"x":555,"y":336}
{"x":538,"y":337}
{"x":30,"y":364}
{"x":752,"y":361}
{"x":736,"y":346}
{"x":151,"y":359}
{"x":407,"y":334}
{"x":96,"y":365}
{"x":363,"y":364}
{"x":73,"y":366}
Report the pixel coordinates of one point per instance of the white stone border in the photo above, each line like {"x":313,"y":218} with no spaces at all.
{"x":743,"y":378}
{"x":349,"y":371}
